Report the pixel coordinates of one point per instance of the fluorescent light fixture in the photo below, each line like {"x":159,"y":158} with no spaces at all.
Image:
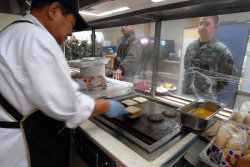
{"x":114,"y":11}
{"x":155,"y":1}
{"x":163,"y":43}
{"x":87,"y":13}
{"x":104,"y":13}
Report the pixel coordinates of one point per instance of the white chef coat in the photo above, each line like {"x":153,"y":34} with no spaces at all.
{"x":34,"y":74}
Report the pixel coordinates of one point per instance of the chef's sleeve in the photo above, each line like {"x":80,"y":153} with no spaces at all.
{"x":47,"y":82}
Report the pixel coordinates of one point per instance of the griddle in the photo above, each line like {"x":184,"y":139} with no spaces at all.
{"x":148,"y":135}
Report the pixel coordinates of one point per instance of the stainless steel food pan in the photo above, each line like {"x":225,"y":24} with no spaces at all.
{"x":194,"y":122}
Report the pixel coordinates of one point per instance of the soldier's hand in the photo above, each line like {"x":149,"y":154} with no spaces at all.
{"x":118,"y":74}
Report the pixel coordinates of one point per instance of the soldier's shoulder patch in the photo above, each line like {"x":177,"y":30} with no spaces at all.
{"x":220,"y":45}
{"x":222,"y":48}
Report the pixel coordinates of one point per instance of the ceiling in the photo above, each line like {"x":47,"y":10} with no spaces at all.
{"x":107,"y":5}
{"x":181,"y":10}
{"x":94,"y":6}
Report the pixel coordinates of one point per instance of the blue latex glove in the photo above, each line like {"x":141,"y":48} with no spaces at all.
{"x":82,"y":84}
{"x":116,"y":109}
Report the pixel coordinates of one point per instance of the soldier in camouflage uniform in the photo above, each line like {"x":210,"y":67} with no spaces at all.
{"x":206,"y":60}
{"x":128,"y":55}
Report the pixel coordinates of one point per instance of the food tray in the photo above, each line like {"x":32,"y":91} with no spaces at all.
{"x":218,"y":156}
{"x":205,"y":159}
{"x":197,"y":123}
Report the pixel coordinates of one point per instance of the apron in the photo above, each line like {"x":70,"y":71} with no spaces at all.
{"x":47,"y":140}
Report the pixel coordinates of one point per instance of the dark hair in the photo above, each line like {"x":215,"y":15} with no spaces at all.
{"x":41,"y":4}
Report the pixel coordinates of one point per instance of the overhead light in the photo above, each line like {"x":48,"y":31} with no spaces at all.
{"x":84,"y":12}
{"x":155,"y":1}
{"x":114,"y":11}
{"x":144,"y":41}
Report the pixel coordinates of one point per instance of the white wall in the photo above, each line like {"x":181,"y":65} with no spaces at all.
{"x":111,"y":34}
{"x":174,"y":29}
{"x":6,"y":19}
{"x":114,"y":34}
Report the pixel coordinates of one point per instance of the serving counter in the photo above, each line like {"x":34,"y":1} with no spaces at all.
{"x":124,"y":153}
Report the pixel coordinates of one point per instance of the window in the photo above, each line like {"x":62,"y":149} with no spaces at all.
{"x":79,"y":45}
{"x":129,"y":48}
{"x":194,"y":67}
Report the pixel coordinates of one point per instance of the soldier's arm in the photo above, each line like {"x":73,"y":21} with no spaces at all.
{"x":118,"y":57}
{"x":187,"y":64}
{"x":134,"y":55}
{"x":187,"y":59}
{"x":227,"y":66}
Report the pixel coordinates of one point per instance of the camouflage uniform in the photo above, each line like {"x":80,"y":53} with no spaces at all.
{"x":202,"y":62}
{"x":129,"y":56}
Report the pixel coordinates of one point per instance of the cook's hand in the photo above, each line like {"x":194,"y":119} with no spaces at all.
{"x":99,"y":82}
{"x":118,"y":74}
{"x":115,"y":109}
{"x":82,"y":84}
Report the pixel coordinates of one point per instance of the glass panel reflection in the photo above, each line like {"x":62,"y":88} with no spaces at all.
{"x":130,"y":51}
{"x":200,"y":58}
{"x":212,"y":51}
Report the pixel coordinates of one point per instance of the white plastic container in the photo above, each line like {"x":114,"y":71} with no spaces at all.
{"x":93,"y":66}
{"x":90,"y":66}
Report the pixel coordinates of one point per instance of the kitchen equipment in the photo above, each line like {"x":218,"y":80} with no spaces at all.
{"x":147,"y":138}
{"x":90,"y":66}
{"x":134,"y":112}
{"x":204,"y":157}
{"x":114,"y":88}
{"x":134,"y":106}
{"x":169,"y":114}
{"x":191,"y":119}
{"x":156,"y":117}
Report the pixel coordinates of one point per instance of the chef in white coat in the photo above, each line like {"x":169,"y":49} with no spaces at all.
{"x":34,"y":76}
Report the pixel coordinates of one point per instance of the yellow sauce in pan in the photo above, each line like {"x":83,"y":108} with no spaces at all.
{"x":201,"y":112}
